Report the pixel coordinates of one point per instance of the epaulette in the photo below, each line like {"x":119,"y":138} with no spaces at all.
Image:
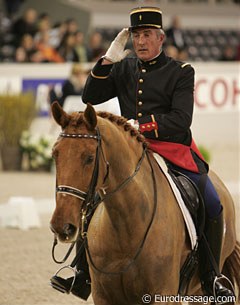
{"x":185,"y":64}
{"x":99,"y":77}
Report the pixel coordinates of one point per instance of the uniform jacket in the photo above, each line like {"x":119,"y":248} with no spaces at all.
{"x":159,"y":94}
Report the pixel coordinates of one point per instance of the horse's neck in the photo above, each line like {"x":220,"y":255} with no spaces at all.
{"x":123,"y":158}
{"x":127,"y":211}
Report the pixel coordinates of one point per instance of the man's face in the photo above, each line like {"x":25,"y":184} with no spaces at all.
{"x":147,"y":42}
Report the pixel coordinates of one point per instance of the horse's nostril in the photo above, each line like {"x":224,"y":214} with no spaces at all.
{"x":69,"y":229}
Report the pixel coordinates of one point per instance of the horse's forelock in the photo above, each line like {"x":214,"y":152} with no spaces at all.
{"x":76,"y":119}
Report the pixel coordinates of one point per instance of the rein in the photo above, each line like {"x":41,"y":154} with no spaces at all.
{"x":90,"y":203}
{"x":125,"y":269}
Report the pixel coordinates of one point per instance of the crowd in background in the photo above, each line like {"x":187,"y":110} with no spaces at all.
{"x":33,"y":38}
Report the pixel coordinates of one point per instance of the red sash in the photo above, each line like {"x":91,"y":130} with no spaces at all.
{"x":177,"y":153}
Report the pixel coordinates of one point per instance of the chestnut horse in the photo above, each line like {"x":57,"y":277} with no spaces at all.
{"x":137,"y":238}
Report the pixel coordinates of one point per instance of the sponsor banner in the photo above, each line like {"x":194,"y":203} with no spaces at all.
{"x":41,"y":88}
{"x":217,"y":85}
{"x":33,"y":84}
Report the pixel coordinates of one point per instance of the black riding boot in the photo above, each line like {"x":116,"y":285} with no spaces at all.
{"x":81,"y":287}
{"x":82,"y":284}
{"x":210,"y":284}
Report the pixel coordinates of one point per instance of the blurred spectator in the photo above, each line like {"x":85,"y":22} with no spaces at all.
{"x":72,"y":86}
{"x":44,"y":16}
{"x":72,"y":26}
{"x":238,"y":53}
{"x":175,"y":34}
{"x":182,"y":55}
{"x":43,"y":27}
{"x":67,"y":48}
{"x":80,"y":48}
{"x":95,"y":47}
{"x":176,"y":54}
{"x":12,"y":7}
{"x":57,"y":33}
{"x":49,"y":54}
{"x":20,"y":55}
{"x":27,"y":43}
{"x":36,"y":57}
{"x":228,"y":54}
{"x":171,"y":51}
{"x":25,"y":25}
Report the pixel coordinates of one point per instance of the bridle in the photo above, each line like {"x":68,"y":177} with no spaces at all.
{"x":86,"y":197}
{"x":89,"y":198}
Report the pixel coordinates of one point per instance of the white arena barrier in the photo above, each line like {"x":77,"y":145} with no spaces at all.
{"x":19,"y":212}
{"x":75,"y":103}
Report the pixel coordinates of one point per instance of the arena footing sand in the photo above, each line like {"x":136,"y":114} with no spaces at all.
{"x":26,"y":263}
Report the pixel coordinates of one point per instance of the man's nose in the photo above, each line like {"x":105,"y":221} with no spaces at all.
{"x":141,"y":39}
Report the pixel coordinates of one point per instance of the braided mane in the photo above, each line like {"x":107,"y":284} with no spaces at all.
{"x":121,"y":121}
{"x":77,"y":119}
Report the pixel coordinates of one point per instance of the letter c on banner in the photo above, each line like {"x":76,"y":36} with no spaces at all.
{"x":197,"y":93}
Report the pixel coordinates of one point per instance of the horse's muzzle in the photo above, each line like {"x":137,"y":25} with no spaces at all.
{"x":66,"y":234}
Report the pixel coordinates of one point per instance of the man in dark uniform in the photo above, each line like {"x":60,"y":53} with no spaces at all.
{"x":156,"y":93}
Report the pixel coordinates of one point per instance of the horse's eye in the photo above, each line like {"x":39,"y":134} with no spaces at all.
{"x":89,"y":159}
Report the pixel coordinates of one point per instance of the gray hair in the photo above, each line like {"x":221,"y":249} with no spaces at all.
{"x":160,"y":32}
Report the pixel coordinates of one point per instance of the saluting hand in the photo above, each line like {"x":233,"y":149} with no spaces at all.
{"x":116,"y":51}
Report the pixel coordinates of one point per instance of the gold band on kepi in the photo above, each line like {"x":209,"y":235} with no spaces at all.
{"x":145,"y":17}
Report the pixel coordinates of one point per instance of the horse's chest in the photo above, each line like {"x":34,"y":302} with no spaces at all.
{"x":120,"y":290}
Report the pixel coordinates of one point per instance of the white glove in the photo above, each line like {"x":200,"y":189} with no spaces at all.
{"x":134,"y":123}
{"x":116,"y":51}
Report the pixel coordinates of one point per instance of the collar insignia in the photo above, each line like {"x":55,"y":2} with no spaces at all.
{"x":152,"y":62}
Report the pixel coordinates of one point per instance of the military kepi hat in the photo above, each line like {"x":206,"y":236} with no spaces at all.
{"x":145,"y":17}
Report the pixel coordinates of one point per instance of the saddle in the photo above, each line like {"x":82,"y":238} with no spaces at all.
{"x":192,"y":196}
{"x":193,"y":199}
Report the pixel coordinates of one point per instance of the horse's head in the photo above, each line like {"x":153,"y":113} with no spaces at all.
{"x":81,"y":154}
{"x":75,"y":154}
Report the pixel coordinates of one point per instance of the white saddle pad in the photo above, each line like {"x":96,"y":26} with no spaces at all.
{"x":186,"y":215}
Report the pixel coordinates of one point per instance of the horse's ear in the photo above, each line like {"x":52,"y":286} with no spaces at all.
{"x":90,"y":117}
{"x":60,"y":116}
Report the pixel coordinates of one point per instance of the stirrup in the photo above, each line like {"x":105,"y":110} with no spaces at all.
{"x":217,"y":279}
{"x":61,"y":284}
{"x":79,"y":284}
